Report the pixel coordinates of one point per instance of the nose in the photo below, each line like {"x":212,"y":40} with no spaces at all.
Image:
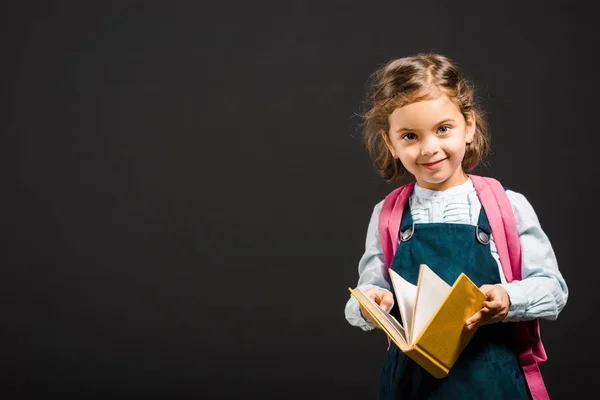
{"x":429,"y":145}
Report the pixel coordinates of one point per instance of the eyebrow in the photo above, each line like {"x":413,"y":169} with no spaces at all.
{"x":438,"y":124}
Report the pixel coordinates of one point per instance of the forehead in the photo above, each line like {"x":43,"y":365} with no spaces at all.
{"x":425,"y":113}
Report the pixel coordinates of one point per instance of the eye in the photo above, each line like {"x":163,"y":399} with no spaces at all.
{"x":444,"y":129}
{"x":409,"y":136}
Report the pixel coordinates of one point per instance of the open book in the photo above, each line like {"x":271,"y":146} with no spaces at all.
{"x":433,"y":331}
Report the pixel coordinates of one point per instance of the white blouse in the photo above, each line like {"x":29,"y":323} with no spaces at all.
{"x":542,"y":292}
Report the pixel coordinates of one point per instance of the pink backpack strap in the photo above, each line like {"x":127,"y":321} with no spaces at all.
{"x":498,"y":209}
{"x":502,"y":222}
{"x":390,"y":217}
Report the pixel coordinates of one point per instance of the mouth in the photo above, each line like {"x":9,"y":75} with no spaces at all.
{"x":433,"y":165}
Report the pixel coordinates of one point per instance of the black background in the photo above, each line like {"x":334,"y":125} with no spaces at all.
{"x":186,"y":197}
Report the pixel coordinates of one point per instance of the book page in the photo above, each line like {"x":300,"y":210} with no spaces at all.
{"x":431,"y":292}
{"x":384,"y":320}
{"x":446,"y":336}
{"x":406,"y":294}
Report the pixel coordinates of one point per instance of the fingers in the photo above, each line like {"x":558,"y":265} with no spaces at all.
{"x":382,"y":297}
{"x":365,"y":314}
{"x":488,"y":290}
{"x":477,"y":319}
{"x":494,"y":309}
{"x":386,"y":300}
{"x":493,"y":304}
{"x":497,"y":298}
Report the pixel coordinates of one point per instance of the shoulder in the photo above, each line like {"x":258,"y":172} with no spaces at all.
{"x":403,"y":191}
{"x":377,"y":208}
{"x":522,"y":209}
{"x":525,"y":215}
{"x":518,"y":201}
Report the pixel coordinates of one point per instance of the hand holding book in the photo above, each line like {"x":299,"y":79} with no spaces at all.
{"x":433,"y":331}
{"x":495,"y":308}
{"x":382,"y":297}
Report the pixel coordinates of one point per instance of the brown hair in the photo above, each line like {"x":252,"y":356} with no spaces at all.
{"x":408,"y":80}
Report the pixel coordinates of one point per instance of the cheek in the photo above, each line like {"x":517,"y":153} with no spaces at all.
{"x":457,"y":156}
{"x":458,"y":147}
{"x":403,"y":152}
{"x":408,"y":159}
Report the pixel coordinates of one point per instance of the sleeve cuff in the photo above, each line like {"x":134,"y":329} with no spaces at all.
{"x":354,"y":316}
{"x":518,"y":302}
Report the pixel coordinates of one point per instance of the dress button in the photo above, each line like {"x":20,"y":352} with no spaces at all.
{"x":482,"y":237}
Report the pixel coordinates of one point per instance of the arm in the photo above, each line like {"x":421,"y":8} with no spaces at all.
{"x":371,"y":270}
{"x":542,"y":292}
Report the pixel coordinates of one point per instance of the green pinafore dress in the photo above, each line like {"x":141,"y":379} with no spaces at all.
{"x":489,"y":367}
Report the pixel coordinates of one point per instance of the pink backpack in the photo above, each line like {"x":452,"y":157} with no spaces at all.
{"x":506,"y":237}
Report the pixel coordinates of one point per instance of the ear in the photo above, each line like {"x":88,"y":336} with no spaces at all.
{"x":471,"y":125}
{"x":386,"y":139}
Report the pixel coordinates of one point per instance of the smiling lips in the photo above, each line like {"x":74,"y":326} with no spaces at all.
{"x":433,"y":165}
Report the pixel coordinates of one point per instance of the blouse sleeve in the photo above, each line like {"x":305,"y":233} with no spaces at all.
{"x":542,"y":292}
{"x":371,"y":271}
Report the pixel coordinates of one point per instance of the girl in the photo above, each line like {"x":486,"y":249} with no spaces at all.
{"x":422,"y":118}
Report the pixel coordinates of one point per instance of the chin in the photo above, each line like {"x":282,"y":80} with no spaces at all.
{"x":436,"y":179}
{"x":434,"y":182}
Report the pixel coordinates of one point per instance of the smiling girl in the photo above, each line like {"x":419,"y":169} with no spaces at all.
{"x":422,"y":118}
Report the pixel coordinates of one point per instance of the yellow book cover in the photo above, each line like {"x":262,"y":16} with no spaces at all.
{"x":433,"y":331}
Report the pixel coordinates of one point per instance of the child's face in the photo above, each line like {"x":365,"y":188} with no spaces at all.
{"x":430,"y":137}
